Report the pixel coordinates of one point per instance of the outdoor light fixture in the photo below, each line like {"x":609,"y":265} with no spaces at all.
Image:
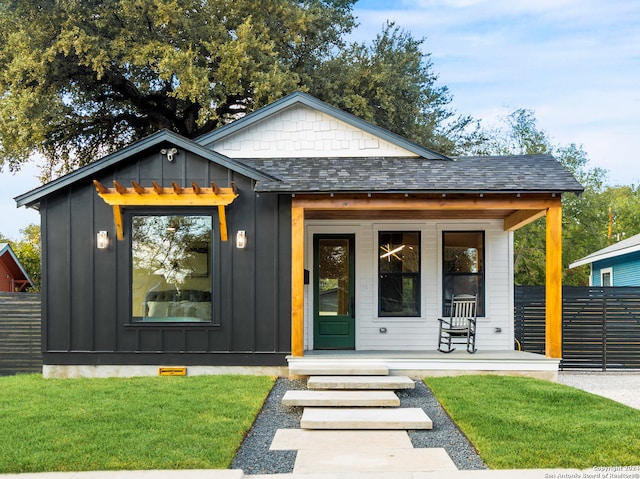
{"x":102,"y":240}
{"x":171,"y":152}
{"x":241,"y":239}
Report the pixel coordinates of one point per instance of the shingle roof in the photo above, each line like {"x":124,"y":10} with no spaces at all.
{"x":532,"y":173}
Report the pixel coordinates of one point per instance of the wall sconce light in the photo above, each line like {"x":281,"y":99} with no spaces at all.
{"x":102,"y":240}
{"x":241,"y":239}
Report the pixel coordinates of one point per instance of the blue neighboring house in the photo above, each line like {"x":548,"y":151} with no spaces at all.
{"x":615,"y":265}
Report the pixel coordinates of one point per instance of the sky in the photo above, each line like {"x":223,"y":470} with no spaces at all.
{"x":574,"y":63}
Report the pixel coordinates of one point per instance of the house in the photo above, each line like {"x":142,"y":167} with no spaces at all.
{"x":615,"y":265}
{"x":13,"y":277}
{"x":298,"y":228}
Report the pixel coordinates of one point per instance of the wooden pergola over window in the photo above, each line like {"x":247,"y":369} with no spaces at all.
{"x":156,"y":195}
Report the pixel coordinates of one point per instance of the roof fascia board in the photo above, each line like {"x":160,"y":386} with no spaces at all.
{"x":313,"y":103}
{"x":592,"y":258}
{"x":33,"y":196}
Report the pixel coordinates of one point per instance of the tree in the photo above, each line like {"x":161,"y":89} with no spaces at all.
{"x":582,"y":220}
{"x":391,"y":83}
{"x":27,"y":251}
{"x":79,"y":79}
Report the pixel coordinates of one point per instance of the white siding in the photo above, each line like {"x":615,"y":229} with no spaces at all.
{"x":421,"y":333}
{"x":300,"y":132}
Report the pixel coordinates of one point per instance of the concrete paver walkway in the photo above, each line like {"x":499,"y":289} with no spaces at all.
{"x":340,"y":398}
{"x":297,"y":439}
{"x":381,"y":460}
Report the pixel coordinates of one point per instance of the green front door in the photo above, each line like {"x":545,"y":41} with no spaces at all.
{"x":334,"y":292}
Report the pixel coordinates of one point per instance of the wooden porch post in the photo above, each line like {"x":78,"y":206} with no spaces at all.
{"x":553,"y":339}
{"x":297,"y":281}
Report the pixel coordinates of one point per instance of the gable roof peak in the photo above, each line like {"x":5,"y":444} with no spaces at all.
{"x":5,"y":249}
{"x":163,"y":136}
{"x":299,"y":98}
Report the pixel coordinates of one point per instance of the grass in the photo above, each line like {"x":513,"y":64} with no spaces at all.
{"x":138,"y":423}
{"x":527,"y":423}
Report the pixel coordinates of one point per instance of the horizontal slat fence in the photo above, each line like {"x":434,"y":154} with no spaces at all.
{"x":20,"y":333}
{"x":600,"y":326}
{"x":529,"y":318}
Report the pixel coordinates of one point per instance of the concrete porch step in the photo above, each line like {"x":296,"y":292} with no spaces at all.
{"x":297,"y":439}
{"x":342,"y":369}
{"x":367,"y":418}
{"x":388,"y":461}
{"x":360,"y":382}
{"x":341,"y":398}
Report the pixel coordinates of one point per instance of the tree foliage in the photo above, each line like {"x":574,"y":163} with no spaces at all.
{"x":80,"y":79}
{"x":391,"y":83}
{"x":585,"y":218}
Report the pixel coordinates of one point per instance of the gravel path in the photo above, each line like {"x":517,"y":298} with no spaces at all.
{"x":254,"y":456}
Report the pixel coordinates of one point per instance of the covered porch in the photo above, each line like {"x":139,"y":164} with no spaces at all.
{"x":512,"y":210}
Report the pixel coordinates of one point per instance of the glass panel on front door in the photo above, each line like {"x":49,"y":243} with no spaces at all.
{"x":333,"y":280}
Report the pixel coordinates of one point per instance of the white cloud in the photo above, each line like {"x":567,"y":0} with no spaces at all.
{"x":575,"y":63}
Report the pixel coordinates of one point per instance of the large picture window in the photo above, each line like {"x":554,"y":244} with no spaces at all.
{"x":171,"y":274}
{"x":399,"y":273}
{"x":463,"y":266}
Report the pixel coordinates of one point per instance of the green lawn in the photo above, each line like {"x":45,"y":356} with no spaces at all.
{"x":139,"y":423}
{"x":527,"y":423}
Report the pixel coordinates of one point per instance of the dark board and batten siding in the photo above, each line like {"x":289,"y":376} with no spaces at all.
{"x":20,"y":333}
{"x":87,"y":297}
{"x":600,"y":326}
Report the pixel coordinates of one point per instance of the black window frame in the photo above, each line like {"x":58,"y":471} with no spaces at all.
{"x":417,"y":276}
{"x":214,"y":244}
{"x":479,"y":275}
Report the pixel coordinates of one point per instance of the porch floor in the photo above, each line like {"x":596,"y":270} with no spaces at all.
{"x":418,"y":364}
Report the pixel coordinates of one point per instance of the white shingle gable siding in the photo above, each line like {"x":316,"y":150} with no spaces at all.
{"x":300,"y":132}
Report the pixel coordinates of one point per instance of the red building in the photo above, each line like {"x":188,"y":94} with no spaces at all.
{"x":13,"y":277}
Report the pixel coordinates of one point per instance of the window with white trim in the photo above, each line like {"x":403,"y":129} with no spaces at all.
{"x":606,"y":277}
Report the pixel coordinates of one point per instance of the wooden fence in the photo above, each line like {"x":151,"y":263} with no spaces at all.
{"x":20,"y":333}
{"x":600,"y":326}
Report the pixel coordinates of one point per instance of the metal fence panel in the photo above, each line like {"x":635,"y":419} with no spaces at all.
{"x":529,"y":318}
{"x":600,"y":326}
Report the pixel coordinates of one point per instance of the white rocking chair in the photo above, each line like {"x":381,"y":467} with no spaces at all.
{"x":460,"y":326}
